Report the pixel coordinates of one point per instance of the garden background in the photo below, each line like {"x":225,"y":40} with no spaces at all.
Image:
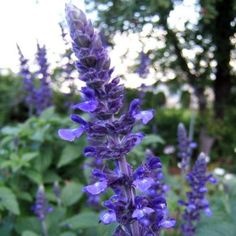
{"x":178,"y":56}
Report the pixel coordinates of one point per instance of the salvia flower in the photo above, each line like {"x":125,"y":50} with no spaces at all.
{"x":41,"y":207}
{"x":185,"y":146}
{"x":110,"y":138}
{"x":28,"y":81}
{"x":44,"y":93}
{"x":196,"y":202}
{"x":143,"y":68}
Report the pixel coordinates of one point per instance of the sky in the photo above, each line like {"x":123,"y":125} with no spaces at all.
{"x":27,"y":21}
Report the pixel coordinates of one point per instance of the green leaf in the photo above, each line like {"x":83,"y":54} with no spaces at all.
{"x":10,"y":130}
{"x":71,"y":193}
{"x":69,"y":154}
{"x":152,"y":139}
{"x":8,"y":200}
{"x":53,"y":220}
{"x":29,"y":156}
{"x":44,"y":160}
{"x":29,"y":233}
{"x":27,"y":223}
{"x":68,"y":234}
{"x":48,"y":113}
{"x":33,"y":175}
{"x":82,"y":220}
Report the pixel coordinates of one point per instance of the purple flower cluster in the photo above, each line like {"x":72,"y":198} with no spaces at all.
{"x":185,"y":148}
{"x":38,"y":98}
{"x":138,"y":203}
{"x":143,"y":69}
{"x":28,"y":81}
{"x":196,"y":200}
{"x":41,"y":207}
{"x":44,"y":93}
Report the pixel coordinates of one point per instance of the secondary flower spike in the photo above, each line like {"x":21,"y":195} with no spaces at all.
{"x":185,"y":147}
{"x":143,"y":68}
{"x":196,"y":199}
{"x":44,"y":93}
{"x":28,"y":81}
{"x":110,"y":138}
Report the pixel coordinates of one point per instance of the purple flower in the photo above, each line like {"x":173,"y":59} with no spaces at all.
{"x":196,"y":200}
{"x":143,"y":69}
{"x":28,"y":82}
{"x":110,"y":138}
{"x":41,"y":207}
{"x":43,"y":93}
{"x":185,"y":148}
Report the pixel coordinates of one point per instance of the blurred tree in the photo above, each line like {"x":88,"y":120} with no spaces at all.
{"x":199,"y":53}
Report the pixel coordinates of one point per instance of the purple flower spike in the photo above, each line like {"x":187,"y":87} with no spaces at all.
{"x":41,"y":207}
{"x":196,"y":200}
{"x":185,"y":148}
{"x":143,"y":69}
{"x":111,"y":137}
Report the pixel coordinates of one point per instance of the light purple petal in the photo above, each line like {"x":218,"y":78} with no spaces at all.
{"x":208,"y":212}
{"x":140,"y":213}
{"x":145,"y":116}
{"x":167,"y":223}
{"x":87,"y":106}
{"x":108,"y":217}
{"x":96,"y":188}
{"x":70,"y":134}
{"x":143,"y":184}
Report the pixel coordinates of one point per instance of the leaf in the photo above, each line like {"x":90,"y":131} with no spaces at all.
{"x":8,"y":200}
{"x":44,"y":160}
{"x":33,"y":175}
{"x":69,"y":154}
{"x":27,"y":223}
{"x":48,"y":113}
{"x":29,"y":233}
{"x":10,"y":130}
{"x":71,"y":193}
{"x":82,"y":220}
{"x":68,"y":234}
{"x":29,"y":156}
{"x":152,"y":139}
{"x":53,"y":218}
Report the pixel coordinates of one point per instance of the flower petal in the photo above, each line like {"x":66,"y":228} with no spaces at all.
{"x":145,"y":116}
{"x":167,"y":223}
{"x":87,"y":106}
{"x":70,"y":134}
{"x":140,"y":213}
{"x":108,"y":217}
{"x":96,"y":188}
{"x":143,"y":184}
